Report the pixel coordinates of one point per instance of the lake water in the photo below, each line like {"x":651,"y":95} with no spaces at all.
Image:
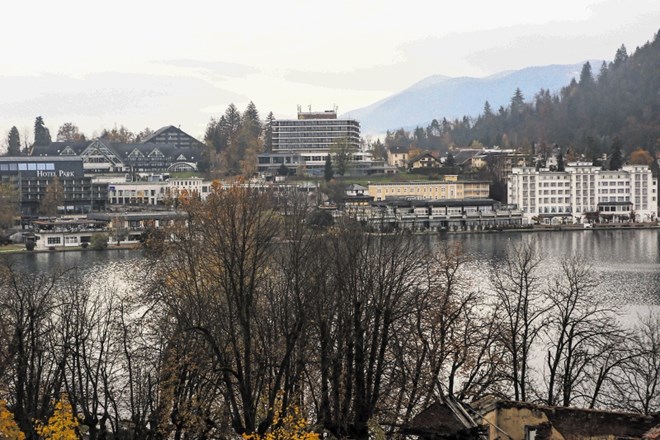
{"x":627,"y":262}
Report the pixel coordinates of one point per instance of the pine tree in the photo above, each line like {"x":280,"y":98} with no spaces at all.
{"x":621,"y":56}
{"x":517,"y":101}
{"x":251,"y":121}
{"x":488,"y":112}
{"x":249,"y":142}
{"x":602,"y":74}
{"x":41,"y":133}
{"x":560,"y":161}
{"x":616,"y":158}
{"x":268,"y":132}
{"x":450,"y":161}
{"x":328,"y":173}
{"x":586,"y":77}
{"x":13,"y":143}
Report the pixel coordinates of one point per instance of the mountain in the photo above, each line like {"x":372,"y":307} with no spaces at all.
{"x":437,"y":96}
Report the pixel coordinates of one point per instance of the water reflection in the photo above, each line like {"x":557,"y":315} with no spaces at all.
{"x":626,"y":262}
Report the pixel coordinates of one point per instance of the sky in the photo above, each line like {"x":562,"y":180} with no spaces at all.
{"x":145,"y":63}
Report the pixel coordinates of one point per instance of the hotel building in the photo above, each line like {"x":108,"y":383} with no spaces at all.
{"x":584,"y":192}
{"x":32,"y":175}
{"x":305,"y":143}
{"x":450,"y":188}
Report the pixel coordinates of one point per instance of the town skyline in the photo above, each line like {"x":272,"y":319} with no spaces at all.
{"x":140,"y":67}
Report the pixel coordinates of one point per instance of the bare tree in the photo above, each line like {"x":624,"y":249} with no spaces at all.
{"x":637,"y":384}
{"x":69,"y":132}
{"x":521,"y":309}
{"x":219,"y":284}
{"x":372,"y":287}
{"x":88,"y":348}
{"x":583,"y":338}
{"x":448,"y":345}
{"x":52,"y":198}
{"x":32,"y":372}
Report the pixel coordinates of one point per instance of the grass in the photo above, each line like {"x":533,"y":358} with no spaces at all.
{"x":12,"y":248}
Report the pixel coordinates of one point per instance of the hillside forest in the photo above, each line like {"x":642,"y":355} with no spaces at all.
{"x":613,"y":101}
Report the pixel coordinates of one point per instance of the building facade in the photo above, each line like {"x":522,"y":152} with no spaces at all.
{"x":584,"y":193}
{"x":527,"y":421}
{"x":158,"y":192}
{"x":443,"y":215}
{"x":173,"y":136}
{"x":397,"y":156}
{"x":450,"y":188}
{"x":315,"y":131}
{"x":302,"y":145}
{"x":168,"y":149}
{"x":32,"y":176}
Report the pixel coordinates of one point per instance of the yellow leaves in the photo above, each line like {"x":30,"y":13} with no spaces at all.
{"x":62,"y":424}
{"x":8,"y":427}
{"x":287,"y":424}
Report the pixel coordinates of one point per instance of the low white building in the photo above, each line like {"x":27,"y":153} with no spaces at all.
{"x":191,"y":186}
{"x":584,"y":193}
{"x":156,"y":192}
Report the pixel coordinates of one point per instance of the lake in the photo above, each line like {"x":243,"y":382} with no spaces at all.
{"x":627,"y":262}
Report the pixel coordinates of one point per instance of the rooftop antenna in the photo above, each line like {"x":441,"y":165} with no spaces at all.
{"x":335,"y":107}
{"x":299,"y":108}
{"x":309,"y":107}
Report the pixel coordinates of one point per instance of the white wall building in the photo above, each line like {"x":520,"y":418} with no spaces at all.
{"x":582,"y":190}
{"x":315,"y":131}
{"x":156,"y":192}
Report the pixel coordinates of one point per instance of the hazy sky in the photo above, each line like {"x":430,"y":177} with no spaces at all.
{"x":154,"y":63}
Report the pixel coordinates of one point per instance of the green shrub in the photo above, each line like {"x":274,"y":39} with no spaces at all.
{"x":99,"y":241}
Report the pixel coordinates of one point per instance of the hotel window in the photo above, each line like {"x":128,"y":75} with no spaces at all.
{"x":54,"y":240}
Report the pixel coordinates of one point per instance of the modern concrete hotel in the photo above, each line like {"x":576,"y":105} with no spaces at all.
{"x":314,"y":131}
{"x":32,"y":175}
{"x":305,"y":142}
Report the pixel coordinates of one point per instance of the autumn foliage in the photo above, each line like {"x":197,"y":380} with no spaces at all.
{"x":8,"y":427}
{"x":62,"y":424}
{"x":288,"y":424}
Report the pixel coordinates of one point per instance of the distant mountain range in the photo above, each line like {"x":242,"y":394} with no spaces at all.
{"x":438,"y":96}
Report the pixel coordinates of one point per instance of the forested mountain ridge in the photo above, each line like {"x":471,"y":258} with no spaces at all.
{"x":620,"y":100}
{"x":448,"y":97}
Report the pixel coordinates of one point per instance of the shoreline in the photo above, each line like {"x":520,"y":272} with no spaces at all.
{"x":561,"y":228}
{"x":22,"y":250}
{"x":8,"y":250}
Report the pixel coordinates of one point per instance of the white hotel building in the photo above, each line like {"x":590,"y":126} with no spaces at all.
{"x":581,"y":191}
{"x":305,"y":143}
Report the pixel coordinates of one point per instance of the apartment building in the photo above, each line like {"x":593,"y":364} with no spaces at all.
{"x":584,"y":193}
